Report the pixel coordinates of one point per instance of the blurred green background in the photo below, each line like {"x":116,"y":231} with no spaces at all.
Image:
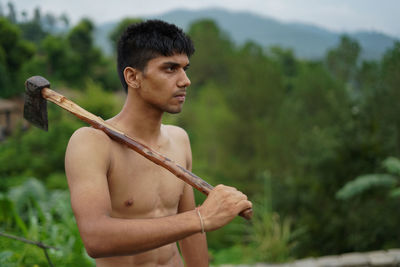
{"x":314,"y":143}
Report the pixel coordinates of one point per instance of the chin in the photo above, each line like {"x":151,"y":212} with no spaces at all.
{"x":173,"y":111}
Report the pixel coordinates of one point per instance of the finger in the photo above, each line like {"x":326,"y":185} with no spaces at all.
{"x":247,"y":214}
{"x":231,"y":188}
{"x":243,"y":196}
{"x":240,"y":197}
{"x":243,"y":205}
{"x":225,"y":187}
{"x":219,"y":186}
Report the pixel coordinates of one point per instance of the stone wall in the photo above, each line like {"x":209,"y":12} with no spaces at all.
{"x":383,"y":258}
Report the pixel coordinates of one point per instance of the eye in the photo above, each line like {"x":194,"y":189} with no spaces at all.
{"x":170,"y":69}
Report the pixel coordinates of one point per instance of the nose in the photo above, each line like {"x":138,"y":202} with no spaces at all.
{"x":183,"y":81}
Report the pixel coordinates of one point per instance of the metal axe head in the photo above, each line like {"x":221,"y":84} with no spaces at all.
{"x":35,"y":107}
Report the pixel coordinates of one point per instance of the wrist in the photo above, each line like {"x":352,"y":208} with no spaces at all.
{"x":201,"y":220}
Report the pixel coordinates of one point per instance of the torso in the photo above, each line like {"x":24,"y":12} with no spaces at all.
{"x":141,"y":189}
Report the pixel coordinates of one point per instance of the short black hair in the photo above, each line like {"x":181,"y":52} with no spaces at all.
{"x":141,"y":42}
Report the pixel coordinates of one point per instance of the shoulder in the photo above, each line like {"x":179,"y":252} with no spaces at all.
{"x":86,"y":140}
{"x":181,"y":138}
{"x":89,"y":135}
{"x":177,"y":133}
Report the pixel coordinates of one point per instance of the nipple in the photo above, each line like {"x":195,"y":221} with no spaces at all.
{"x":129,"y":202}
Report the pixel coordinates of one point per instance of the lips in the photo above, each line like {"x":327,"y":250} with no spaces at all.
{"x":180,"y":96}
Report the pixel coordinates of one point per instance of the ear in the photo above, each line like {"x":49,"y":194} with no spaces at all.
{"x":132,"y":77}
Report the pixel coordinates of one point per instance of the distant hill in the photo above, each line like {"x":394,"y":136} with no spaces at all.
{"x":307,"y":41}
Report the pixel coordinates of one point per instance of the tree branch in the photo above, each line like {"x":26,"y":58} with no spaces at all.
{"x":39,"y":244}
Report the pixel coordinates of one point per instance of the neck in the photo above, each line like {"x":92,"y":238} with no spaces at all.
{"x":139,"y":120}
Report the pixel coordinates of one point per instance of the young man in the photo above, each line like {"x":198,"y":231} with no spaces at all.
{"x":130,"y":211}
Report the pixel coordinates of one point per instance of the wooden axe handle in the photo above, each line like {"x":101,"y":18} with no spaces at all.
{"x":98,"y":123}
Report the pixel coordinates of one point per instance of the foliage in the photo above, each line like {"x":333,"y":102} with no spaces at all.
{"x":14,"y":51}
{"x":272,"y":237}
{"x":213,"y":53}
{"x":40,"y":215}
{"x":271,"y":240}
{"x":35,"y":152}
{"x":392,"y":165}
{"x":67,"y":57}
{"x":371,"y":181}
{"x":98,"y":101}
{"x":342,"y":60}
{"x":365,"y":182}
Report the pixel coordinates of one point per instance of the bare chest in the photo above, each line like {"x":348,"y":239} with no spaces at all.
{"x":141,"y":189}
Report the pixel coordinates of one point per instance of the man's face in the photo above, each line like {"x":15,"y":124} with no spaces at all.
{"x":164,"y":81}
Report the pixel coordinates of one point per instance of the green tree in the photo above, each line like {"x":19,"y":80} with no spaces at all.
{"x":1,"y":10}
{"x":64,"y":18}
{"x":14,"y":53}
{"x":213,"y":54}
{"x":32,"y":31}
{"x":84,"y":55}
{"x":86,"y":61}
{"x":342,"y":60}
{"x":37,"y":15}
{"x":80,"y":37}
{"x":363,"y":138}
{"x":391,"y":68}
{"x":35,"y":152}
{"x":12,"y":13}
{"x":50,"y":22}
{"x":56,"y":55}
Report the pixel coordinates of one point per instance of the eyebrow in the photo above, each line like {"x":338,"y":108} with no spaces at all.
{"x":174,"y":64}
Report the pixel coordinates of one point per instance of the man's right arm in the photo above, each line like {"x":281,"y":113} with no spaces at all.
{"x":87,"y":162}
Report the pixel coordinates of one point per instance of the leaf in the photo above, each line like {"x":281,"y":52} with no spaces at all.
{"x":22,"y":195}
{"x":5,"y":258}
{"x":9,"y":214}
{"x":363,"y":183}
{"x":392,"y":164}
{"x":395,"y":193}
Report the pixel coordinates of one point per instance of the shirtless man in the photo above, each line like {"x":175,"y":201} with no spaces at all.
{"x":130,"y":211}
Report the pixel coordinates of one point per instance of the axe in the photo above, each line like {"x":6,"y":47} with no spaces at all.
{"x":35,"y":111}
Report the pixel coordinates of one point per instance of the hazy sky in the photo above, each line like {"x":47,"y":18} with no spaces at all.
{"x":337,"y":15}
